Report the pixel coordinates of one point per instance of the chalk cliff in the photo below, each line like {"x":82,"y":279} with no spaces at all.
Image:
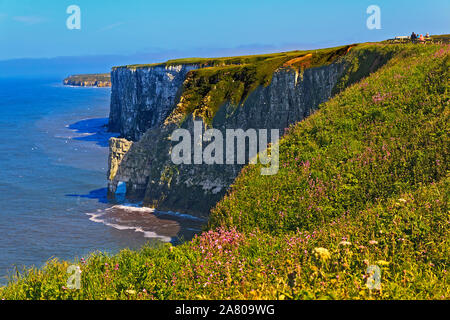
{"x":141,"y":98}
{"x":144,"y":99}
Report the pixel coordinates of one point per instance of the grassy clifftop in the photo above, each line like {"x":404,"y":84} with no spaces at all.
{"x":219,"y":80}
{"x":362,"y":182}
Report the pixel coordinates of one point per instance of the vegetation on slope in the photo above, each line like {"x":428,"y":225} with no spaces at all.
{"x":385,"y":135}
{"x":206,"y":89}
{"x":408,"y":238}
{"x":364,"y":181}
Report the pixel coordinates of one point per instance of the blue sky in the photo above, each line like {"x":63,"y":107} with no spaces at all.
{"x":36,"y":29}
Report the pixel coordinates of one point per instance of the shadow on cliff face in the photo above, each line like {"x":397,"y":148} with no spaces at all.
{"x":95,"y":130}
{"x":98,"y":194}
{"x":101,"y":195}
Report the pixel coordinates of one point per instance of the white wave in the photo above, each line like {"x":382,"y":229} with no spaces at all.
{"x":183,"y":215}
{"x":129,"y":208}
{"x":147,"y":234}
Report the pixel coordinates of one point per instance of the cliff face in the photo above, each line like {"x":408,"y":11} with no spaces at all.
{"x":142,"y":99}
{"x":117,"y":150}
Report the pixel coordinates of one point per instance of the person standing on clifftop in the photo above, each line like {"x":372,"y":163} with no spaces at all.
{"x":421,"y":39}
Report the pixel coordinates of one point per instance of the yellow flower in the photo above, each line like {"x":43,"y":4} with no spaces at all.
{"x":382,"y":263}
{"x":345,"y":243}
{"x":322,"y":254}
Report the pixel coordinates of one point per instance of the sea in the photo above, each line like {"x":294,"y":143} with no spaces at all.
{"x":53,"y":167}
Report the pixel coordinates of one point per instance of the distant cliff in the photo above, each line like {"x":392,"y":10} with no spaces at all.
{"x":149,"y":102}
{"x":89,"y":80}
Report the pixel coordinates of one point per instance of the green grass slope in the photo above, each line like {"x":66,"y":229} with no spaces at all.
{"x":385,"y":135}
{"x":362,"y":182}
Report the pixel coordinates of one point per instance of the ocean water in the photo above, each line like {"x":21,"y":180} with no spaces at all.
{"x":53,"y":164}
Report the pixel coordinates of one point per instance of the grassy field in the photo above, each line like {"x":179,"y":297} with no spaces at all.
{"x":362,"y":182}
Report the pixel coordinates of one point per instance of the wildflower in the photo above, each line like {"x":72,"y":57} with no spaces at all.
{"x":380,"y":97}
{"x":401,"y":200}
{"x":373,"y":242}
{"x":322,"y":253}
{"x":116,"y":267}
{"x":382,"y":263}
{"x":345,"y":243}
{"x":130,"y":292}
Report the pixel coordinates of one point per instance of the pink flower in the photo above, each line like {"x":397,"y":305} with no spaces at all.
{"x":380,"y":97}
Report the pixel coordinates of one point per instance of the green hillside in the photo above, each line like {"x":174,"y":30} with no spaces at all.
{"x":364,"y":181}
{"x":385,"y":135}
